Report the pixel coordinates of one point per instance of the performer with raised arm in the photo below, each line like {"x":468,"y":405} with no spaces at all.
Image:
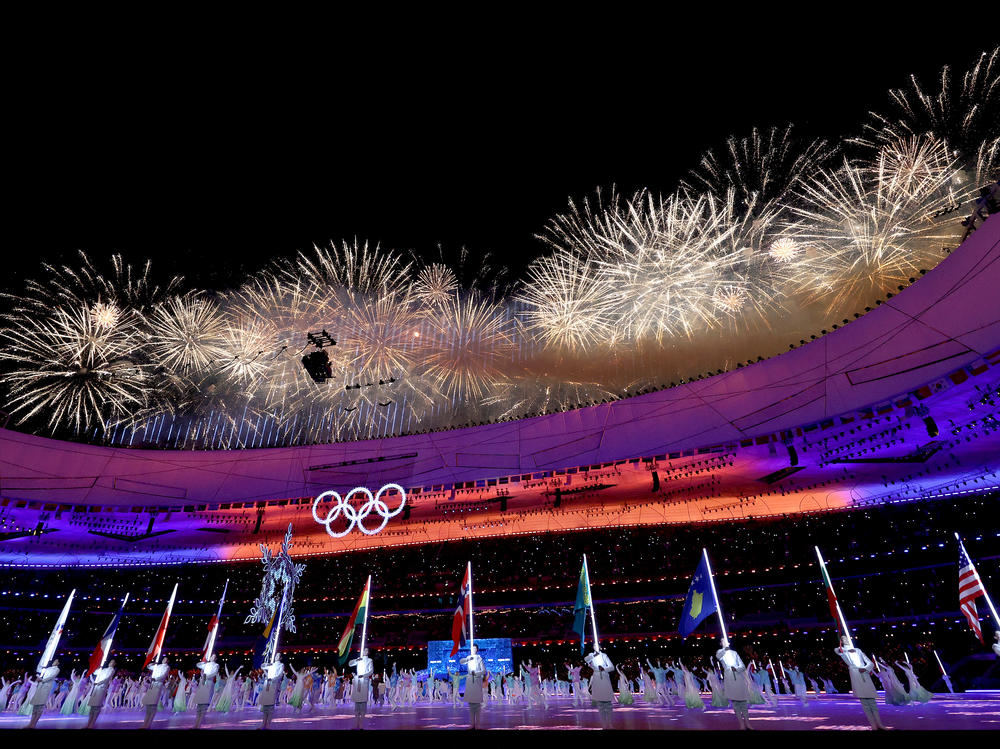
{"x":99,"y":692}
{"x":859,"y":665}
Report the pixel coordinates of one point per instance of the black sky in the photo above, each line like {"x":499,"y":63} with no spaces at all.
{"x":213,"y":164}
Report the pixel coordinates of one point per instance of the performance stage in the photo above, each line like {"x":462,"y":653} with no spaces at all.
{"x":970,"y":711}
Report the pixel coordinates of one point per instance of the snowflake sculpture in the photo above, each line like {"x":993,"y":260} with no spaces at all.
{"x":281,"y":575}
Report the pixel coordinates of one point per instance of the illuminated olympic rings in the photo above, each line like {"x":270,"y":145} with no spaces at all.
{"x":355,"y":516}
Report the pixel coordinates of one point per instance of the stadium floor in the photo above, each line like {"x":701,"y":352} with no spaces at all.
{"x":827,"y":712}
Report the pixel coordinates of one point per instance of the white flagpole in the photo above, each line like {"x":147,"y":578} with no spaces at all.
{"x":210,"y":645}
{"x":277,"y":632}
{"x":590,"y":597}
{"x":840,"y":613}
{"x":718,"y":603}
{"x":364,"y":625}
{"x":472,"y":634}
{"x":989,"y":601}
{"x":57,"y":630}
{"x":107,"y":652}
{"x":940,"y":665}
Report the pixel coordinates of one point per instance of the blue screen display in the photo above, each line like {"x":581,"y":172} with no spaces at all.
{"x":495,"y":652}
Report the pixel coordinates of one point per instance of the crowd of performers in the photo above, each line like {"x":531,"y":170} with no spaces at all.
{"x":727,"y":679}
{"x":165,"y":690}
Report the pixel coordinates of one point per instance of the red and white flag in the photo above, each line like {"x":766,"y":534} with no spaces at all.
{"x":213,"y":627}
{"x":970,"y":587}
{"x":462,"y":610}
{"x":161,"y":632}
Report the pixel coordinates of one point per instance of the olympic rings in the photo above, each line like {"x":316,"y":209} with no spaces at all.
{"x":355,"y":517}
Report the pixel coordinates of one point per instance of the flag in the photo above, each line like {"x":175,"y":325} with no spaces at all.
{"x":56,"y":635}
{"x":103,"y":648}
{"x":580,"y":607}
{"x":268,"y":637}
{"x":213,"y":626}
{"x":462,"y":610}
{"x":970,"y":587}
{"x":161,"y":632}
{"x":831,"y":597}
{"x":700,"y":602}
{"x":360,"y":608}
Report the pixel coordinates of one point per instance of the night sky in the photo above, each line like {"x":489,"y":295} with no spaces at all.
{"x":215,"y":164}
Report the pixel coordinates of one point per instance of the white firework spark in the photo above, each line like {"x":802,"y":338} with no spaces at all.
{"x":470,"y":346}
{"x":435,"y":285}
{"x":188,"y":334}
{"x":72,"y":370}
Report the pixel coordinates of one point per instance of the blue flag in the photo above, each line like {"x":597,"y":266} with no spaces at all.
{"x":700,"y":602}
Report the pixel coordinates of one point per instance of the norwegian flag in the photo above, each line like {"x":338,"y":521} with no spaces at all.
{"x":462,"y":611}
{"x":103,"y":649}
{"x":970,"y":587}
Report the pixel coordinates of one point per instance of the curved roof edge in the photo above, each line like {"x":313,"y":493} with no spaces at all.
{"x":948,"y":319}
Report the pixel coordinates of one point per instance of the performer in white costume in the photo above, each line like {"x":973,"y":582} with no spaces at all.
{"x":735,"y":683}
{"x":360,"y":689}
{"x":273,"y":676}
{"x":861,"y":667}
{"x":996,"y":643}
{"x":601,"y":690}
{"x":151,"y":700}
{"x":474,"y":685}
{"x":44,"y":681}
{"x":98,"y":694}
{"x":206,"y":687}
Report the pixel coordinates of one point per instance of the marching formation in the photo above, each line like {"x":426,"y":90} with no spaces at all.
{"x":164,"y":689}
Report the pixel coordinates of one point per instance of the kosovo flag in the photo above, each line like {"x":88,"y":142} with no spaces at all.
{"x":700,"y":602}
{"x":580,"y":609}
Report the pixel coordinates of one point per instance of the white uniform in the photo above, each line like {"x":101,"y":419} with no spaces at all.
{"x":102,"y":680}
{"x":860,"y":668}
{"x":209,"y":673}
{"x":601,"y":689}
{"x":360,"y":687}
{"x":996,"y":649}
{"x":734,"y":682}
{"x":272,"y":680}
{"x":159,"y":672}
{"x":474,"y":681}
{"x":46,"y":679}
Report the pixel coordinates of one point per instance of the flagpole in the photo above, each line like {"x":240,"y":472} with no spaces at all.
{"x":472,"y":635}
{"x":940,"y":665}
{"x":210,"y":645}
{"x":53,"y":644}
{"x":715,"y":595}
{"x":986,"y":595}
{"x":364,"y":625}
{"x":840,"y":613}
{"x":104,"y":656}
{"x":277,"y":624}
{"x":590,"y":597}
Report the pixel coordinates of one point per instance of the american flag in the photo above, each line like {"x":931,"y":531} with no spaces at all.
{"x":970,"y":587}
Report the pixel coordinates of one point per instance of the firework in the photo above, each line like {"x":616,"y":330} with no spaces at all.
{"x":761,"y":167}
{"x":470,"y":346}
{"x":964,"y":114}
{"x":188,"y":333}
{"x":73,"y":370}
{"x":435,"y":285}
{"x":872,"y":226}
{"x":355,"y":267}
